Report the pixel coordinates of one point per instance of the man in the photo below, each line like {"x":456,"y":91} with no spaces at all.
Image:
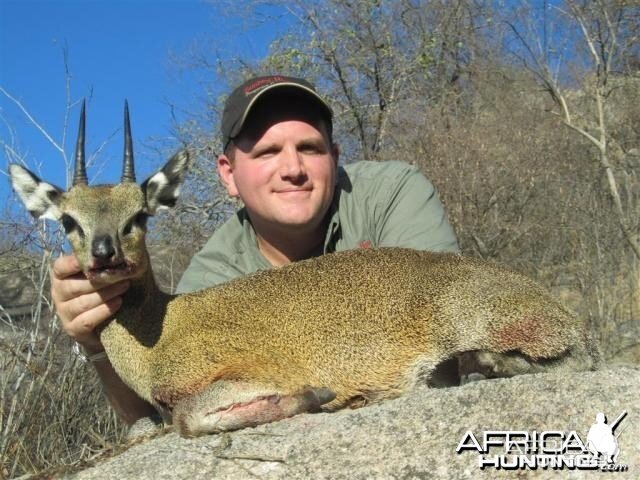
{"x":280,"y":160}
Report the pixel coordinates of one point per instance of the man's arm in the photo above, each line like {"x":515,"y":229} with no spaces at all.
{"x":411,"y":215}
{"x":220,"y":258}
{"x":127,"y":404}
{"x":81,"y":306}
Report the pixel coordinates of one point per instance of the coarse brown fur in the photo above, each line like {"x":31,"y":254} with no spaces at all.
{"x":338,"y":330}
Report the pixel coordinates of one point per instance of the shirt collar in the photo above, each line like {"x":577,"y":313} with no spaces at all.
{"x":333,"y":226}
{"x":249,"y":241}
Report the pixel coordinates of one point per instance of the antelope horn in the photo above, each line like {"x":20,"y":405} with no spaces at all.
{"x":128,"y":171}
{"x":79,"y":169}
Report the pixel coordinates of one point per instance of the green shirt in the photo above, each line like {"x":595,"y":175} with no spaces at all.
{"x":376,"y":204}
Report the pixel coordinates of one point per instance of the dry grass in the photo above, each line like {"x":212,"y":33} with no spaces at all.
{"x":52,"y":410}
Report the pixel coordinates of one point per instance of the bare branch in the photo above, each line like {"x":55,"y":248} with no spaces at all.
{"x":32,"y":120}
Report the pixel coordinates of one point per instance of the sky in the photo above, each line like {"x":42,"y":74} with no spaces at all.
{"x":117,"y":50}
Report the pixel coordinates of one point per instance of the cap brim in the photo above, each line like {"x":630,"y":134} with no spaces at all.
{"x":238,"y":127}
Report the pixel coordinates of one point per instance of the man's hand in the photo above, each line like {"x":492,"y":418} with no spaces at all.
{"x":82,"y":305}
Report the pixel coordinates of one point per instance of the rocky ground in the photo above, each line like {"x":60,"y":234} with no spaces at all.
{"x":414,"y":437}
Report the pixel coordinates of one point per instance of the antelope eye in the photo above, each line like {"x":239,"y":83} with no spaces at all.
{"x":140,"y":219}
{"x":68,"y":223}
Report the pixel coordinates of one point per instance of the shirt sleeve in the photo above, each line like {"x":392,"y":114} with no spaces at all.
{"x":411,"y":215}
{"x":218,"y":261}
{"x":203,"y":272}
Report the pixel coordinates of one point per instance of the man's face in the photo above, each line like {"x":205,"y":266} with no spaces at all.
{"x":283,"y":169}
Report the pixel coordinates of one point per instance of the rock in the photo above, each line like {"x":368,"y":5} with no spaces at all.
{"x":20,"y":278}
{"x":413,"y":437}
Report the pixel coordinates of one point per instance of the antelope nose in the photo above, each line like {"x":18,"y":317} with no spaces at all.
{"x":102,"y":248}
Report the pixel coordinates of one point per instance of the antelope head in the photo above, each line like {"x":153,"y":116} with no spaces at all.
{"x":105,"y":224}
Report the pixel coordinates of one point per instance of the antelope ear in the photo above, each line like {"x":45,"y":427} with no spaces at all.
{"x":162,"y":189}
{"x":40,"y":198}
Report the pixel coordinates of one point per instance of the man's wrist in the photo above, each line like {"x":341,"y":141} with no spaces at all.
{"x":98,"y":357}
{"x":90,"y":353}
{"x":91,"y":347}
